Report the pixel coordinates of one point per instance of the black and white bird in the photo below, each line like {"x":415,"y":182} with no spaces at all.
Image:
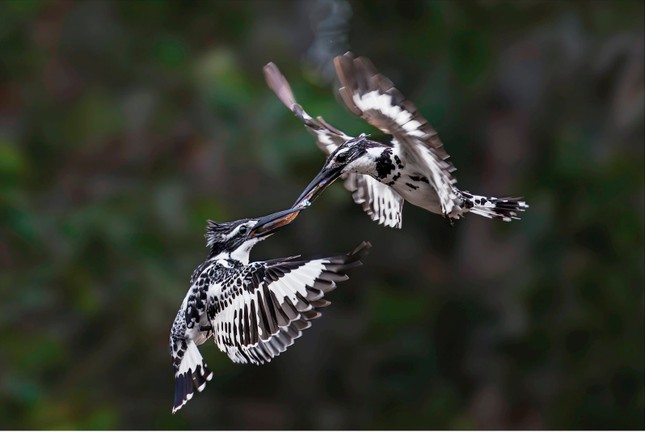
{"x":412,"y":167}
{"x":253,"y":310}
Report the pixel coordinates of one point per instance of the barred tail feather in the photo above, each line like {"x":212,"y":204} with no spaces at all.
{"x":192,"y":375}
{"x":505,"y":209}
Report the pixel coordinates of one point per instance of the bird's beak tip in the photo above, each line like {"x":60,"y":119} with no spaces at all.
{"x":324,"y":178}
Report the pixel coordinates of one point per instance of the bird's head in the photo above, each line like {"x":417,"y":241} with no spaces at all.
{"x":354,"y":155}
{"x":236,"y":239}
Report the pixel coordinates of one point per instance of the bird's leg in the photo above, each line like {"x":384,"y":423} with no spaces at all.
{"x":447,"y":215}
{"x":451,"y":220}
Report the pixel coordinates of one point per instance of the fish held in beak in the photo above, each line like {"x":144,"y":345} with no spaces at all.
{"x":270,"y":224}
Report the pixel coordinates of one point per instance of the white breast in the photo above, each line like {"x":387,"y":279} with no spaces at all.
{"x":415,"y":188}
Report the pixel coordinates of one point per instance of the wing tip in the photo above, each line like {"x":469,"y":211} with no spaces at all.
{"x":344,"y":66}
{"x":358,"y":253}
{"x":279,"y":84}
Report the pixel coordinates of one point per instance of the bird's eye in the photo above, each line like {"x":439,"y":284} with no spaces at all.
{"x":243,"y":229}
{"x":341,"y":158}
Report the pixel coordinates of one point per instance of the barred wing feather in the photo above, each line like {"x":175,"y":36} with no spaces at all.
{"x":373,"y":97}
{"x":380,"y":202}
{"x":265,"y":318}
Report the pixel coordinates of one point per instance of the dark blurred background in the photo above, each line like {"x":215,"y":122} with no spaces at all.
{"x":125,"y":125}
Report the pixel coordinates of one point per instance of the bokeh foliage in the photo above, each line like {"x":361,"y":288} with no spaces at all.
{"x":124,"y":125}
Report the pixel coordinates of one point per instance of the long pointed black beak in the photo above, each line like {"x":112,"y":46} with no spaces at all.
{"x":269,"y":224}
{"x":324,"y":178}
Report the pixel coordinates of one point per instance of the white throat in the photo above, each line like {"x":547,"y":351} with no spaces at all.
{"x":240,"y":254}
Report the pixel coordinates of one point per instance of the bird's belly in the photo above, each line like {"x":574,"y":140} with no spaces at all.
{"x":416,"y":189}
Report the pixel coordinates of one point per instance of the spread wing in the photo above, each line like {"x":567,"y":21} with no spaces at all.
{"x":379,"y":201}
{"x":280,"y":299}
{"x":373,"y":97}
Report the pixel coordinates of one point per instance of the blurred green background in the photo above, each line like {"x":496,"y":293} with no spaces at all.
{"x":125,"y":125}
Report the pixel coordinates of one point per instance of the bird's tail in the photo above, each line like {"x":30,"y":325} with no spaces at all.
{"x":191,"y":375}
{"x":505,"y":209}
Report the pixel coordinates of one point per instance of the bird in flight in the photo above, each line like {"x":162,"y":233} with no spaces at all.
{"x":412,"y":167}
{"x":253,"y":310}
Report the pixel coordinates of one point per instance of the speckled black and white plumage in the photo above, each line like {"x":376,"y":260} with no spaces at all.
{"x":253,"y":310}
{"x":413,"y":166}
{"x":379,"y":201}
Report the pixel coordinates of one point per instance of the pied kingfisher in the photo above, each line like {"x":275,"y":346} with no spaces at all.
{"x":253,"y":310}
{"x":413,"y":167}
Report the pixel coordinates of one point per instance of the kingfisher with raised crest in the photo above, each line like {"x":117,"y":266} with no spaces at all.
{"x":412,"y":167}
{"x":253,"y":310}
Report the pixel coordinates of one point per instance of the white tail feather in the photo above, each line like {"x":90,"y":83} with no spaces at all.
{"x":191,"y":376}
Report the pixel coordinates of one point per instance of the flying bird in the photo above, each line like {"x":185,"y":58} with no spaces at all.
{"x":412,"y":167}
{"x":253,"y":310}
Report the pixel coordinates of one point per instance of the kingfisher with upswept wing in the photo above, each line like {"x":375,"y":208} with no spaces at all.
{"x":252,"y":310}
{"x":412,"y":167}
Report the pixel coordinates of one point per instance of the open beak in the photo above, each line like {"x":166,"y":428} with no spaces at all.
{"x":324,"y":178}
{"x":269,"y":224}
